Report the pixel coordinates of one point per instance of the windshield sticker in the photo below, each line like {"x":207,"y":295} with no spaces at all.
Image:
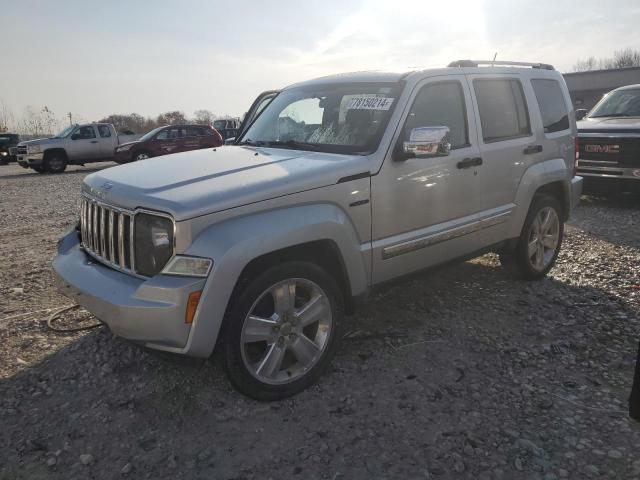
{"x":364,"y":102}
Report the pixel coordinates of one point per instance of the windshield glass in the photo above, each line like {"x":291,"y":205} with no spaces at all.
{"x":622,"y":103}
{"x":65,"y":132}
{"x":337,"y":118}
{"x":149,"y":135}
{"x":4,"y":139}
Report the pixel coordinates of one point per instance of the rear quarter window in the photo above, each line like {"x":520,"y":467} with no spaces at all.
{"x":553,"y":108}
{"x":502,"y":108}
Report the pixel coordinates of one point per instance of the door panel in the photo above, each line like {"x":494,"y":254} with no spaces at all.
{"x":170,"y":140}
{"x":106,"y":141}
{"x":87,"y":147}
{"x":504,"y":131}
{"x":420,"y":197}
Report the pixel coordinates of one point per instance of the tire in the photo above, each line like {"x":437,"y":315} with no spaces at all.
{"x":269,"y":353}
{"x":55,"y":163}
{"x":40,"y":169}
{"x":140,"y":155}
{"x":533,"y":258}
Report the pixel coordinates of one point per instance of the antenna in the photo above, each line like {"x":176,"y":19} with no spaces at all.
{"x":494,"y":58}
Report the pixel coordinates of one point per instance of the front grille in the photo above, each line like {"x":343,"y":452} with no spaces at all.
{"x":22,"y":150}
{"x":107,"y":234}
{"x":621,"y":151}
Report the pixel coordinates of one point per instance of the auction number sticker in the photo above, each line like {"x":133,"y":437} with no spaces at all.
{"x":365,"y":102}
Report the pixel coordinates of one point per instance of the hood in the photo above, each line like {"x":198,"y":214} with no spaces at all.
{"x":609,"y":124}
{"x":124,"y":144}
{"x":199,"y":182}
{"x":40,"y":141}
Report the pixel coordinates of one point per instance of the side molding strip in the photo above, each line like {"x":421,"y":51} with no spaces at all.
{"x":354,"y":177}
{"x":449,"y":234}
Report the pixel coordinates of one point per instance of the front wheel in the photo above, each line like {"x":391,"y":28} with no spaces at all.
{"x":282,"y":330}
{"x":143,"y":155}
{"x":55,"y":163}
{"x":40,"y":169}
{"x":540,"y":240}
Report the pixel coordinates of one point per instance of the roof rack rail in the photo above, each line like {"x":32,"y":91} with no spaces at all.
{"x":477,"y":63}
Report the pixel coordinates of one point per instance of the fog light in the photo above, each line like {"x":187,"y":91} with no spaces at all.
{"x":188,"y":266}
{"x":192,"y":306}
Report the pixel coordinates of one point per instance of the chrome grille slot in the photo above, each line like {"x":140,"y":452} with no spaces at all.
{"x":107,"y":234}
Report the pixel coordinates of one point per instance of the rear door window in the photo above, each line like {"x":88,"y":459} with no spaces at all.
{"x":195,"y":132}
{"x":104,"y":131}
{"x":553,"y":108}
{"x":502,"y":108}
{"x":85,"y":133}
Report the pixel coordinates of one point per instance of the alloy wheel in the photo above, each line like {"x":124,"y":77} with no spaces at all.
{"x":543,"y":238}
{"x":286,"y":331}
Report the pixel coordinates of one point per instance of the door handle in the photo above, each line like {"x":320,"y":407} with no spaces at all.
{"x":94,"y":141}
{"x":532,"y":149}
{"x":469,"y":162}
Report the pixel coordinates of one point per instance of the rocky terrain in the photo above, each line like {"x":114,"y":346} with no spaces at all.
{"x":462,"y":373}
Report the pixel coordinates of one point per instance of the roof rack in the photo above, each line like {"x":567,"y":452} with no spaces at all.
{"x":477,"y":63}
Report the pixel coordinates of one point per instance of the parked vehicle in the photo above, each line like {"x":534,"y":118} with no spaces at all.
{"x":168,"y":139}
{"x":75,"y":145}
{"x":609,"y":143}
{"x":340,"y":185}
{"x":227,"y":128}
{"x":8,"y":144}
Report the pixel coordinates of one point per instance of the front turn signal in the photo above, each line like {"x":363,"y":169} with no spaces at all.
{"x":192,"y":306}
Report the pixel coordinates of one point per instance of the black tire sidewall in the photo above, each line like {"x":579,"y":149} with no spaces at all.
{"x":521,"y":254}
{"x":55,"y":156}
{"x":237,"y":372}
{"x":134,"y":158}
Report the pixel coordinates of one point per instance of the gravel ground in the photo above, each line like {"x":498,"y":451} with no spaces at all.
{"x":461,"y":373}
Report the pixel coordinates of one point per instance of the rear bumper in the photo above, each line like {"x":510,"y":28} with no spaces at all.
{"x":147,"y":311}
{"x":576,"y":191}
{"x":605,"y":183}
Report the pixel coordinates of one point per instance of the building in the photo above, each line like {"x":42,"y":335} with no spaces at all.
{"x":586,"y":88}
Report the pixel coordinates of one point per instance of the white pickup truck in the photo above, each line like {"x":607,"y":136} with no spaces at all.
{"x":76,"y":144}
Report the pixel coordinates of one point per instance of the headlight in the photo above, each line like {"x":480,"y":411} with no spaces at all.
{"x":153,"y":243}
{"x":34,"y":148}
{"x":188,"y":266}
{"x":3,"y":154}
{"x":123,"y":149}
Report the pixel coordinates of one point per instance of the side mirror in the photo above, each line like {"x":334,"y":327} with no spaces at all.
{"x":427,"y":142}
{"x":581,"y":113}
{"x":75,"y":136}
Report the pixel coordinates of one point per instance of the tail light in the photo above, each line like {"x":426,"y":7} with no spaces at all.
{"x":577,"y":156}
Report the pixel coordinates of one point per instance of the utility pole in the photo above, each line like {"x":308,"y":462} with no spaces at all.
{"x":69,"y":115}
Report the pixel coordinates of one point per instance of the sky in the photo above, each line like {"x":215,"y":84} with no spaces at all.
{"x":95,"y":58}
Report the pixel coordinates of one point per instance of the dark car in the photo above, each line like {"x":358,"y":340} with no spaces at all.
{"x":8,"y":144}
{"x":609,"y":143}
{"x":167,"y":140}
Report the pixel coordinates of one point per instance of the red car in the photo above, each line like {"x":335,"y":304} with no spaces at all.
{"x":166,"y":140}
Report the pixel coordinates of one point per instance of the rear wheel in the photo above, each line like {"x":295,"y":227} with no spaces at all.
{"x":282,"y":331}
{"x":540,"y":240}
{"x":55,"y":163}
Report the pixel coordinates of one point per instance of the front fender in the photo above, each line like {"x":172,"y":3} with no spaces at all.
{"x":233,"y":243}
{"x":536,"y":176}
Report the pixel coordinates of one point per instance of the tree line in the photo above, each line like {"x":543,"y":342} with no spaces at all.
{"x":628,"y":57}
{"x":42,"y":122}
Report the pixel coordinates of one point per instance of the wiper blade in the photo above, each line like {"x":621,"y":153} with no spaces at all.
{"x":619,"y":114}
{"x":252,"y":143}
{"x":292,"y":144}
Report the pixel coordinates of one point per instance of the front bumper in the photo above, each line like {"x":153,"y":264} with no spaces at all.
{"x":147,"y":311}
{"x":30,"y":160}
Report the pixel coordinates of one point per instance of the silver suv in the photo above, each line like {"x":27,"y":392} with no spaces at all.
{"x":339,"y":185}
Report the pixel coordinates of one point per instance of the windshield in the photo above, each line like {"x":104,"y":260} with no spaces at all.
{"x":4,"y":139}
{"x":149,"y":135}
{"x":65,"y":132}
{"x":621,"y":103}
{"x":337,"y":118}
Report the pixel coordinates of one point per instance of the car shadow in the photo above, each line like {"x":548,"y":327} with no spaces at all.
{"x":422,"y":354}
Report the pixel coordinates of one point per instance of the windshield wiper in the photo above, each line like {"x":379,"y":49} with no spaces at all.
{"x":252,"y":143}
{"x":293,"y":144}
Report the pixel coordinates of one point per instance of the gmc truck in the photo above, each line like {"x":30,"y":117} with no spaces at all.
{"x":609,"y":143}
{"x":76,"y":144}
